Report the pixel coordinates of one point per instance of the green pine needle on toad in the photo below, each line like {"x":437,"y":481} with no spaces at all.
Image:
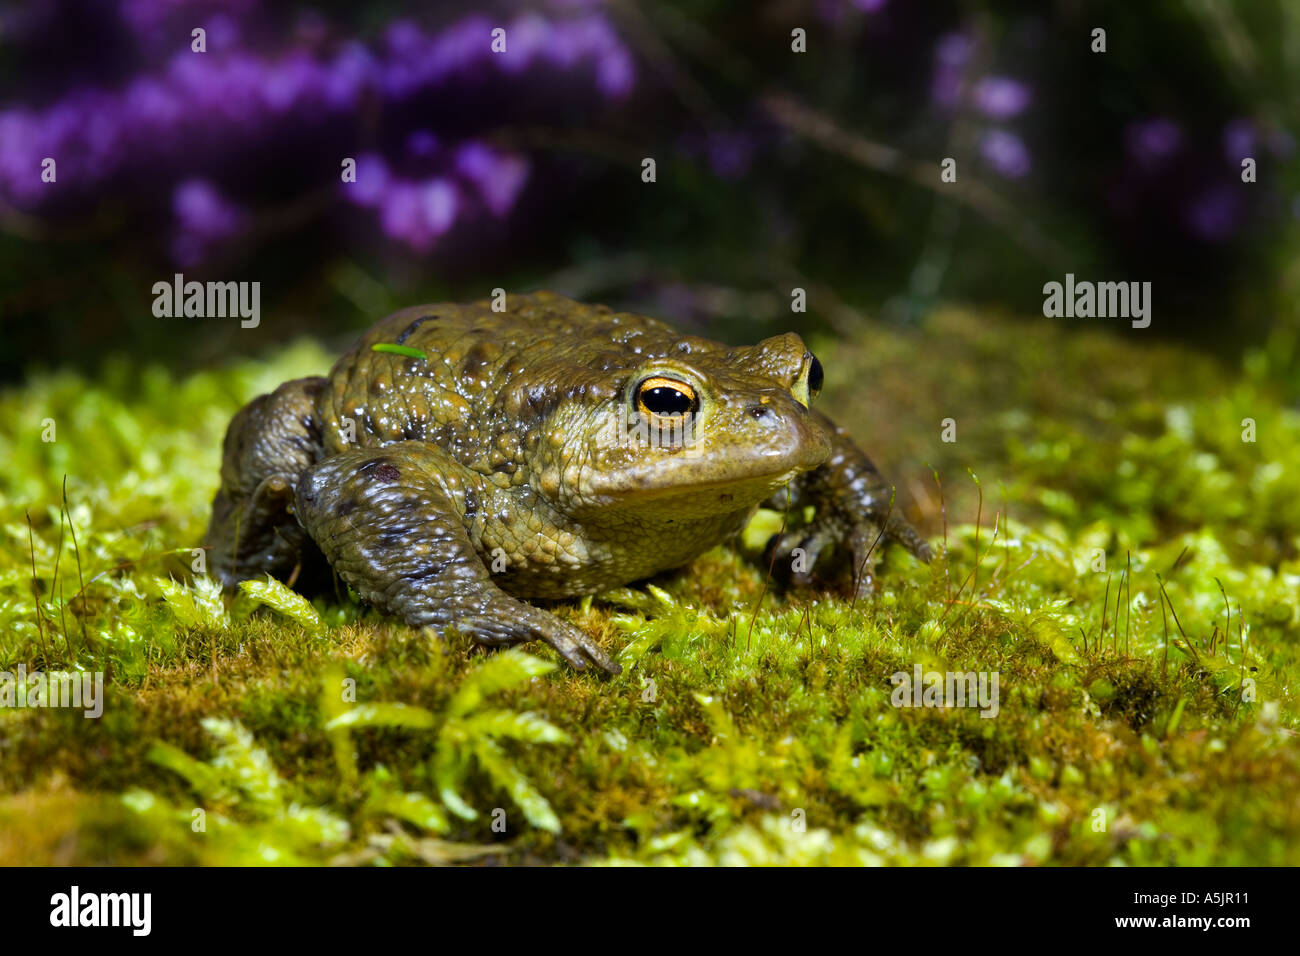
{"x":399,"y":350}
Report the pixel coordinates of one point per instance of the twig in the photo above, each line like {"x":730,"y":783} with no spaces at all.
{"x":818,"y":127}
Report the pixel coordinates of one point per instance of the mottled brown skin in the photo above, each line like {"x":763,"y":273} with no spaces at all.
{"x":444,"y":489}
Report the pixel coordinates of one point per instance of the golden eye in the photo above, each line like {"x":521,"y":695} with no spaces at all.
{"x":666,"y":397}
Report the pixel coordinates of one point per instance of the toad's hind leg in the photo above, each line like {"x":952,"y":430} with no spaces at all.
{"x":391,"y":521}
{"x":269,"y":444}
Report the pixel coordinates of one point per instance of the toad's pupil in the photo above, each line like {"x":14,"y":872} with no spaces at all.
{"x":815,"y":375}
{"x":666,"y":401}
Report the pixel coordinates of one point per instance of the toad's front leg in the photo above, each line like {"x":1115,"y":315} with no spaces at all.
{"x":854,"y":508}
{"x":390,"y":520}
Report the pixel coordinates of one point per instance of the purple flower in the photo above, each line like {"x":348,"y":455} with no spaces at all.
{"x":1153,"y":141}
{"x":352,"y":71}
{"x":528,"y":37}
{"x":151,"y":103}
{"x":1215,"y":214}
{"x":201,"y":210}
{"x":1242,"y":137}
{"x":150,"y":14}
{"x":1001,"y":97}
{"x":954,"y":49}
{"x":1005,"y":152}
{"x":498,"y":178}
{"x":730,"y":154}
{"x":439,"y":200}
{"x":833,"y":11}
{"x":951,"y":55}
{"x":593,"y":37}
{"x":401,"y":215}
{"x":290,"y":81}
{"x":372,"y":181}
{"x":203,"y":218}
{"x":615,"y":74}
{"x":422,"y":143}
{"x":222,"y":32}
{"x":224,"y":98}
{"x":418,"y":212}
{"x":1239,"y":140}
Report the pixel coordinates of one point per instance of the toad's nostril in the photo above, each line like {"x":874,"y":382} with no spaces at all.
{"x":759,"y":411}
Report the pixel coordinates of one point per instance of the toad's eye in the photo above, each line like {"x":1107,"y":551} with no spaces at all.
{"x":815,"y":376}
{"x":666,"y":397}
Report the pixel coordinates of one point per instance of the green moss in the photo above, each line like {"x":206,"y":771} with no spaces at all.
{"x":1125,"y":562}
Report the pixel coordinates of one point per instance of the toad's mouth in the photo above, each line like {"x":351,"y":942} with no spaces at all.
{"x":743,"y":479}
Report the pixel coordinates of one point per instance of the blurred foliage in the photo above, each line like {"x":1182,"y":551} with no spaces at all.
{"x":775,"y":169}
{"x":749,"y":726}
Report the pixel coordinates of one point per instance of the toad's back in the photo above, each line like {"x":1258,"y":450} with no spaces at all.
{"x":488,"y":380}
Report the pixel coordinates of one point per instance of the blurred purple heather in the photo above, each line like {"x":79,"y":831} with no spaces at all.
{"x":234,"y":148}
{"x":729,"y":153}
{"x":1001,"y":97}
{"x":1243,"y":137}
{"x":1151,"y":142}
{"x":499,"y":178}
{"x":149,"y":126}
{"x":418,"y":212}
{"x":1215,"y":215}
{"x":833,"y":11}
{"x":1005,"y":153}
{"x":203,"y":217}
{"x":997,"y":97}
{"x":951,"y":55}
{"x":1239,"y":139}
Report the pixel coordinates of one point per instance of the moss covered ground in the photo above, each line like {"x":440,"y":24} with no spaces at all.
{"x":1118,"y":550}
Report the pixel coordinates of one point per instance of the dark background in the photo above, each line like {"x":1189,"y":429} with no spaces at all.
{"x":522,"y":170}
